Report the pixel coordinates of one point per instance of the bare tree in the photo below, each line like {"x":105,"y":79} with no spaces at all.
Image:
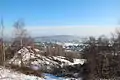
{"x":2,"y":44}
{"x":22,"y":39}
{"x":20,"y":32}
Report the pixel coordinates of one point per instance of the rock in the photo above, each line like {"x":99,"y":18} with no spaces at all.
{"x":51,"y":64}
{"x":76,"y":75}
{"x":35,"y":67}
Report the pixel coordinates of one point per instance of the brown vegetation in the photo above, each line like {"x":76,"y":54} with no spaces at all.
{"x":103,"y":57}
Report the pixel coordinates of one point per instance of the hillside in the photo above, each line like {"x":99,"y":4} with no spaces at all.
{"x":58,"y":38}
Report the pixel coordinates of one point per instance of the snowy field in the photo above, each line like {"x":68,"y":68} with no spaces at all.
{"x":38,"y":62}
{"x":7,"y":74}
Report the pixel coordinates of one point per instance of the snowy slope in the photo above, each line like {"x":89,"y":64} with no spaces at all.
{"x":7,"y":74}
{"x":43,"y":62}
{"x":39,"y":62}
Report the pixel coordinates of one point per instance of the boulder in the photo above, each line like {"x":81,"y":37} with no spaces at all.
{"x":57,"y":65}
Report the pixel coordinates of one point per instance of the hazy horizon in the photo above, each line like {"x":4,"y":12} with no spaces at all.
{"x":82,"y":31}
{"x":62,"y":17}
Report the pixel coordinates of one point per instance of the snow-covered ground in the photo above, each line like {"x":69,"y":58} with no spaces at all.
{"x":45,"y":63}
{"x":7,"y":74}
{"x":52,"y":77}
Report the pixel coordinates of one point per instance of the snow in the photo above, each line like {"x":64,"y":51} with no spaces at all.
{"x":7,"y":74}
{"x":37,"y":50}
{"x":35,"y":67}
{"x":62,"y":60}
{"x":79,"y":61}
{"x":52,"y":77}
{"x":66,"y":62}
{"x":40,"y":62}
{"x":73,"y":79}
{"x":70,"y":44}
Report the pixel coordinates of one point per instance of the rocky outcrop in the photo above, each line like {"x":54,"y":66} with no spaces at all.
{"x":26,"y":57}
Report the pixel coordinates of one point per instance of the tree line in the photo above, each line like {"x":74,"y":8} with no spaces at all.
{"x":103,"y":57}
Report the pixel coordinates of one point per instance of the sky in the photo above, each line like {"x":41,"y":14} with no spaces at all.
{"x":74,"y":17}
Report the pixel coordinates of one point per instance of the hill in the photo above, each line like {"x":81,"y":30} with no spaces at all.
{"x":58,"y":38}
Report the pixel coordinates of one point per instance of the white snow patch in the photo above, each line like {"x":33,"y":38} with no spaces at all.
{"x":42,"y":61}
{"x":7,"y":74}
{"x":37,"y":50}
{"x":79,"y":61}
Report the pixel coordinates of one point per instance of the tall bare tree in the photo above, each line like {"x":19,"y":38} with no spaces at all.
{"x":2,"y":43}
{"x":20,"y":32}
{"x":22,"y":38}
